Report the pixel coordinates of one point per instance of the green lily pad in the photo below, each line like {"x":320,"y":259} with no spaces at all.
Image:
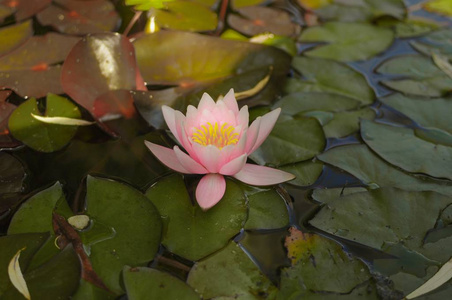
{"x":347,"y":122}
{"x":439,"y":42}
{"x":359,"y":11}
{"x":410,"y":27}
{"x":347,"y":41}
{"x":57,"y":279}
{"x":134,"y":220}
{"x":142,"y":283}
{"x":306,"y":172}
{"x":383,"y":216}
{"x":230,"y":273}
{"x":87,"y":290}
{"x":188,"y":230}
{"x":244,"y":3}
{"x":267,"y":209}
{"x":424,"y":78}
{"x":319,"y":265}
{"x":41,"y":136}
{"x":401,"y":147}
{"x":12,"y":174}
{"x":15,"y":35}
{"x":186,"y":15}
{"x":9,"y":245}
{"x":321,"y":75}
{"x":146,"y":4}
{"x":327,"y":195}
{"x":291,"y":140}
{"x":373,"y":171}
{"x":426,"y":112}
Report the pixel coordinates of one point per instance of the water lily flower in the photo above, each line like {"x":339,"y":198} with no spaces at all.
{"x":218,"y":141}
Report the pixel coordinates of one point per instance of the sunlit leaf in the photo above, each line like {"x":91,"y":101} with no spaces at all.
{"x":25,"y":8}
{"x":321,"y":75}
{"x":33,"y":69}
{"x":282,"y":42}
{"x":76,"y":17}
{"x":62,"y":121}
{"x":16,"y":276}
{"x":42,"y":136}
{"x":347,"y":41}
{"x":146,"y":4}
{"x":188,"y":230}
{"x":396,"y":144}
{"x":258,"y":19}
{"x":144,"y":283}
{"x":439,"y":6}
{"x":314,"y":4}
{"x":230,"y":273}
{"x":15,"y":35}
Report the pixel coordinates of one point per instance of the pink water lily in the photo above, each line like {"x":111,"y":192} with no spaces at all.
{"x":218,"y":141}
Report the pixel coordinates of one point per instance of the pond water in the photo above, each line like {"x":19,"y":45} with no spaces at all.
{"x":364,"y":89}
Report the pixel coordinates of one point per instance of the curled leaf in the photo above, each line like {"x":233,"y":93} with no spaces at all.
{"x":16,"y":276}
{"x":256,"y":89}
{"x":62,"y":121}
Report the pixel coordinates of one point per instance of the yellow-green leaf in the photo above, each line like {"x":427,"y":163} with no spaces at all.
{"x":62,"y":121}
{"x":439,"y":6}
{"x":16,"y":276}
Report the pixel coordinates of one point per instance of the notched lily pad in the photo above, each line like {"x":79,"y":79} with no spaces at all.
{"x":188,"y":230}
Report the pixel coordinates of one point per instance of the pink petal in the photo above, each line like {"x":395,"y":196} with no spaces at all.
{"x":267,"y":123}
{"x":243,"y":117}
{"x":231,"y":102}
{"x":171,"y":118}
{"x":252,"y":134}
{"x":260,"y":175}
{"x":166,"y":156}
{"x":210,"y":190}
{"x":189,"y":163}
{"x":234,"y":166}
{"x":206,"y":102}
{"x":209,"y":156}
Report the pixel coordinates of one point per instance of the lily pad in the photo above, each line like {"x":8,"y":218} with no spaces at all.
{"x":243,"y":3}
{"x":347,"y":41}
{"x":25,"y":9}
{"x":12,"y":174}
{"x":291,"y":140}
{"x":188,"y":230}
{"x":410,"y":27}
{"x":136,"y":225}
{"x":230,"y":273}
{"x":319,"y":265}
{"x":33,"y":69}
{"x":321,"y":75}
{"x":306,"y":172}
{"x":79,"y":18}
{"x":373,"y":171}
{"x":379,"y":217}
{"x":424,"y":78}
{"x":443,"y":7}
{"x":6,"y":109}
{"x":427,"y":112}
{"x":401,"y":147}
{"x":142,"y":283}
{"x":255,"y":20}
{"x":267,"y":209}
{"x":116,"y":69}
{"x":439,"y":42}
{"x":41,"y":136}
{"x":186,"y":15}
{"x":347,"y":122}
{"x":15,"y":35}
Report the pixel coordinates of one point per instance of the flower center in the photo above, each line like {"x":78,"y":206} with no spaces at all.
{"x":220,"y":137}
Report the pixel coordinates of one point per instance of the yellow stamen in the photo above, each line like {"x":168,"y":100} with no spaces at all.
{"x":219,"y":136}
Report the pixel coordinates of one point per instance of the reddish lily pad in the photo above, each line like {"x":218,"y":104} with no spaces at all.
{"x":6,"y":108}
{"x":25,"y":8}
{"x":114,"y":58}
{"x":33,"y":69}
{"x":80,"y":17}
{"x":15,"y":35}
{"x":256,"y":20}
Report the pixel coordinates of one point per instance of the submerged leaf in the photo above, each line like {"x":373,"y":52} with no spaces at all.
{"x":16,"y":276}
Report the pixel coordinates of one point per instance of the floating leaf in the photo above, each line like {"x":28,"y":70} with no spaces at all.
{"x":439,"y":41}
{"x":116,"y":69}
{"x":243,"y":3}
{"x":230,"y":273}
{"x":314,"y":4}
{"x":306,"y":172}
{"x":186,"y":15}
{"x":443,"y":63}
{"x":321,"y":75}
{"x":62,"y":121}
{"x":362,"y":163}
{"x":410,"y":27}
{"x":12,"y":174}
{"x":267,"y":209}
{"x":251,"y":92}
{"x":144,"y":283}
{"x":33,"y":68}
{"x":396,"y":144}
{"x":80,"y":18}
{"x":424,"y":77}
{"x":347,"y":41}
{"x":25,"y":9}
{"x":134,"y":221}
{"x":291,"y":140}
{"x":41,"y":136}
{"x":426,"y":112}
{"x":16,"y":276}
{"x":443,"y":7}
{"x":146,"y":4}
{"x":188,"y":230}
{"x":319,"y":265}
{"x":255,"y":20}
{"x":347,"y":122}
{"x":15,"y":35}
